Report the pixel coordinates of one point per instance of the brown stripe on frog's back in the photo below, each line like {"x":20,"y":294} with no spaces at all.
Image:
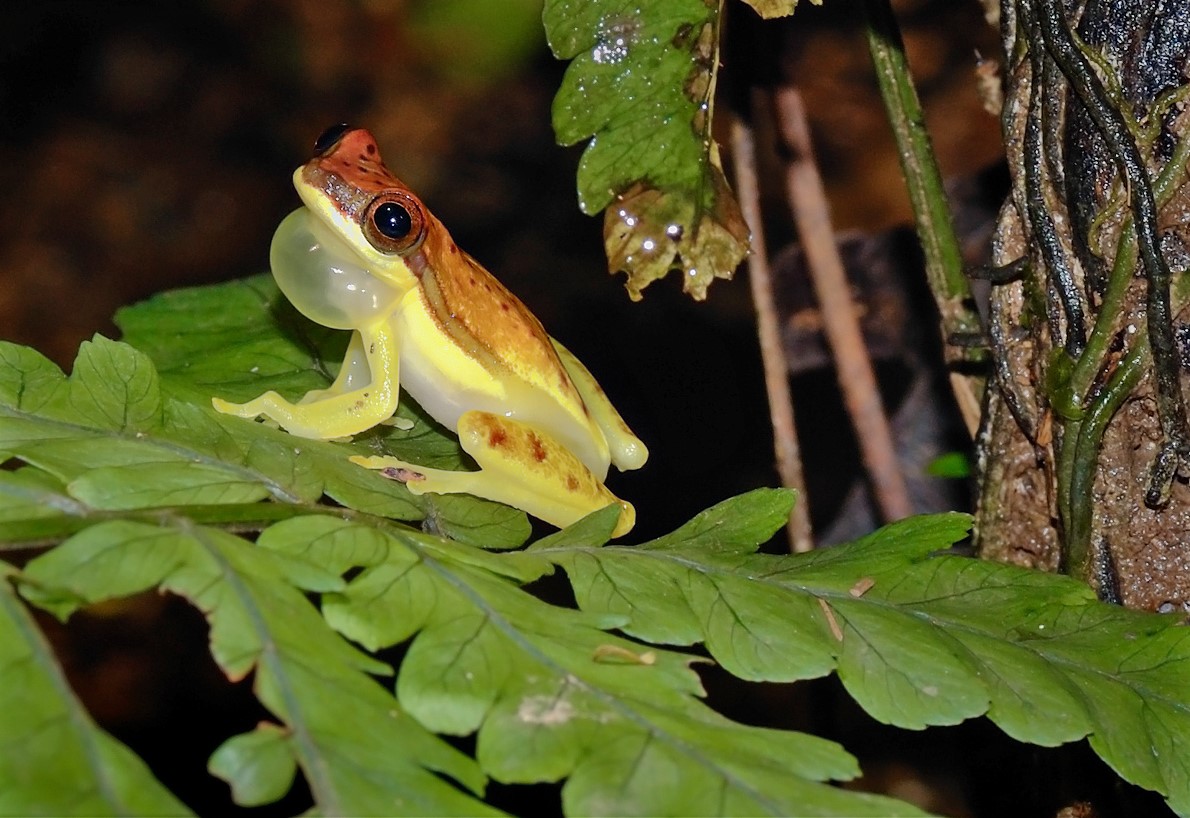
{"x":352,"y":172}
{"x":484,"y":315}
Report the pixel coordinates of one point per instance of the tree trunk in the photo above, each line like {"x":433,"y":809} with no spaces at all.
{"x":1084,"y":445}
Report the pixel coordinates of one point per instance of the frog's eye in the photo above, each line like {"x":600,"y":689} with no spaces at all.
{"x":394,"y":223}
{"x":329,"y":138}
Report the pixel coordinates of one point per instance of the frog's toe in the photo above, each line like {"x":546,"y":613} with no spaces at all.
{"x":419,"y":479}
{"x":383,"y":464}
{"x":228,"y":408}
{"x":265,"y":404}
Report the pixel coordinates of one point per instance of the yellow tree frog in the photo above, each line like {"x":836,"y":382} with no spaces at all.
{"x":365,"y":254}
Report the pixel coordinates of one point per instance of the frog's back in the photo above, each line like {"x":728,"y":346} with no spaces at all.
{"x":487,"y":320}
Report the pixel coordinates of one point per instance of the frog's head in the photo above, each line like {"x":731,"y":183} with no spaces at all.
{"x":347,"y":186}
{"x":362,"y":239}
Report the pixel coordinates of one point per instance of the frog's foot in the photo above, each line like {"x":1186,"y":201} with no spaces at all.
{"x":521,"y":466}
{"x":271,"y":406}
{"x":325,"y":418}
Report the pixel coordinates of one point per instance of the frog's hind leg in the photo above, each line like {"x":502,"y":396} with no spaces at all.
{"x":626,"y":449}
{"x":521,"y":466}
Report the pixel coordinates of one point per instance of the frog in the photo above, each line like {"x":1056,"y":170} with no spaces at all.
{"x":365,"y":254}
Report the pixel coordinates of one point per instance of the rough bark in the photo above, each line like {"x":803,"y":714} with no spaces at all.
{"x":1073,"y":426}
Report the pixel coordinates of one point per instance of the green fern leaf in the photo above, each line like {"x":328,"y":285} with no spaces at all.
{"x":55,"y":760}
{"x":918,"y":637}
{"x":550,"y":693}
{"x":360,"y":753}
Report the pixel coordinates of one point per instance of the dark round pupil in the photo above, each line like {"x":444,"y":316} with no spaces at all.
{"x":392,"y":220}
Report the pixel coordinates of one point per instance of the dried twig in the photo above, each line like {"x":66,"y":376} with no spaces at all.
{"x":772,"y":351}
{"x":856,"y":378}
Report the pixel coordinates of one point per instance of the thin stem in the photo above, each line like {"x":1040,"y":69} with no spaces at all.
{"x":841,"y":323}
{"x":772,"y":352}
{"x":1089,"y":440}
{"x":235,"y":517}
{"x":1091,"y":361}
{"x":935,"y":231}
{"x":1058,"y":269}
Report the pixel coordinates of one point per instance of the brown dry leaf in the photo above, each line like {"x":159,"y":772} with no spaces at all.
{"x":769,"y":9}
{"x":646,"y":234}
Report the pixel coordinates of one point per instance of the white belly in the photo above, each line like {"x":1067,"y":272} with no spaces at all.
{"x":446,"y":382}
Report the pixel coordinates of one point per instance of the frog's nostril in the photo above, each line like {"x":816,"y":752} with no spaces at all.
{"x":330,"y":137}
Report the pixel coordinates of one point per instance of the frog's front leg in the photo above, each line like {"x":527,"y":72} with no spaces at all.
{"x":363,"y":395}
{"x":353,"y":374}
{"x":519,"y":465}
